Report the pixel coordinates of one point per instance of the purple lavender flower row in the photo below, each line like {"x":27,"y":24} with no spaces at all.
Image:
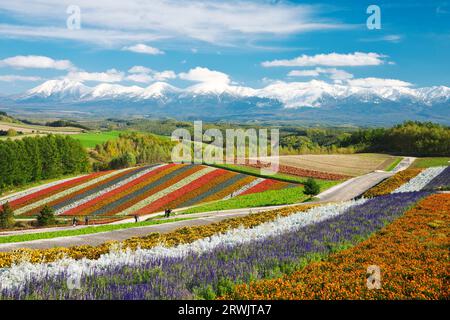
{"x":441,"y":181}
{"x":203,"y":275}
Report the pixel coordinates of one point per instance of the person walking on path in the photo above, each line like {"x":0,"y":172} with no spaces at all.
{"x":86,"y":220}
{"x":74,"y":222}
{"x":136,"y":218}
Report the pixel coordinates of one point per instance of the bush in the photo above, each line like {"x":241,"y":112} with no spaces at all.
{"x":125,"y":161}
{"x":312,"y":188}
{"x":46,"y":216}
{"x":11,"y":133}
{"x":6,"y":217}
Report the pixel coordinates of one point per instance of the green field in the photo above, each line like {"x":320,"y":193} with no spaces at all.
{"x":90,"y":140}
{"x":262,"y":199}
{"x":81,"y":231}
{"x":393,"y":164}
{"x":431,"y":162}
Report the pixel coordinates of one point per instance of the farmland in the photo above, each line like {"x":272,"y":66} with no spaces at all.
{"x":340,"y":164}
{"x":91,"y":139}
{"x":37,"y":129}
{"x":139,"y":191}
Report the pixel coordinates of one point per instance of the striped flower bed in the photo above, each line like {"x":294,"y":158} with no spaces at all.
{"x":421,"y":180}
{"x":139,"y":190}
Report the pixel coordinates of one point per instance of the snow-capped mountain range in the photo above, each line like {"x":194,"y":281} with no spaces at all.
{"x":292,"y":95}
{"x":368,"y":102}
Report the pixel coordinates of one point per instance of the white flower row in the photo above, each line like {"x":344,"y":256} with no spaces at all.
{"x":421,"y":180}
{"x":164,"y":192}
{"x":64,"y":193}
{"x":106,"y":190}
{"x":244,"y":188}
{"x":18,"y":275}
{"x":24,"y":193}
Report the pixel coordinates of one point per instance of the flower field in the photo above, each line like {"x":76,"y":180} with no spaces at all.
{"x":198,"y":268}
{"x":392,"y":183}
{"x":260,"y":256}
{"x":412,"y":253}
{"x":139,"y":191}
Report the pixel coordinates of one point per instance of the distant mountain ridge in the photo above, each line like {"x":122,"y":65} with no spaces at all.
{"x":310,"y":101}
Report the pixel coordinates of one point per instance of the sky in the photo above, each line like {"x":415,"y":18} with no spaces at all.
{"x":246,"y":43}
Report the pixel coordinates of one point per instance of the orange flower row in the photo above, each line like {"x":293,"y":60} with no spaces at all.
{"x":412,"y":254}
{"x":392,"y":183}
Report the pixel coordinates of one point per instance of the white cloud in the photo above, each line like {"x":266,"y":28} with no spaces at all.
{"x":219,"y":22}
{"x":139,"y":69}
{"x":304,"y":73}
{"x":378,"y":82}
{"x":389,"y":38}
{"x":330,"y":59}
{"x":164,"y":75}
{"x":111,"y":75}
{"x":140,"y":77}
{"x":37,"y":62}
{"x":332,"y":73}
{"x":205,"y":75}
{"x":143,"y":48}
{"x":14,"y":78}
{"x":146,"y":75}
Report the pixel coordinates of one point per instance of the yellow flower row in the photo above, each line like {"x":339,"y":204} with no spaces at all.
{"x":179,"y":236}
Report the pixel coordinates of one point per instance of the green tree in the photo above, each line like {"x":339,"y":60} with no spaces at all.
{"x":46,"y":216}
{"x":312,"y":188}
{"x":6,"y":216}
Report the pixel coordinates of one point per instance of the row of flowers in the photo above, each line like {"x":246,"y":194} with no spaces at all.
{"x":180,"y":236}
{"x":131,"y":191}
{"x":119,"y":192}
{"x":244,"y":188}
{"x":412,"y":255}
{"x":144,"y":243}
{"x":392,"y":183}
{"x":106,"y":190}
{"x":66,"y":192}
{"x":301,"y":172}
{"x":23,"y":198}
{"x":420,"y":181}
{"x":201,"y":267}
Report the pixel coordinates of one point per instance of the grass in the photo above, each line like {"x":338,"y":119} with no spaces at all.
{"x":262,"y":199}
{"x":431,"y":162}
{"x":90,"y":140}
{"x":393,"y":164}
{"x":82,"y":231}
{"x":324,"y":184}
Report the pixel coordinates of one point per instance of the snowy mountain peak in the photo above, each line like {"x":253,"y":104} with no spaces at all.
{"x":158,"y":90}
{"x":58,"y":88}
{"x":314,"y":93}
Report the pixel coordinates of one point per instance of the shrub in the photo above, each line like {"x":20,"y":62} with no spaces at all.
{"x":46,"y":216}
{"x":6,"y":217}
{"x":311,"y":187}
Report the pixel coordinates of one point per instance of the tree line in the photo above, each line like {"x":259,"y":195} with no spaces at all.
{"x":131,"y":148}
{"x":409,"y":138}
{"x":37,"y":158}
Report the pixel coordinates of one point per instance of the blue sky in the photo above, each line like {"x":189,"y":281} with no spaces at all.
{"x":249,"y":43}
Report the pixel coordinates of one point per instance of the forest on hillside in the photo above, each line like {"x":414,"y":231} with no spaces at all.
{"x":38,"y":158}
